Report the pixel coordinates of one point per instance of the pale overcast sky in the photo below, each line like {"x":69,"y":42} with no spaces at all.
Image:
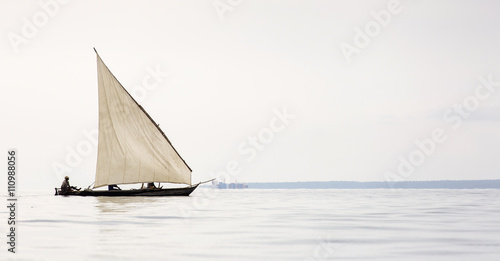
{"x":269,"y":90}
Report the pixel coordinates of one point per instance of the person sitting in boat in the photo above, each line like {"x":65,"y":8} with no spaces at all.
{"x":65,"y":187}
{"x":114,"y":187}
{"x":151,"y":185}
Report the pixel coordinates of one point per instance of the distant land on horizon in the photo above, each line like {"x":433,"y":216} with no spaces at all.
{"x":435,"y":184}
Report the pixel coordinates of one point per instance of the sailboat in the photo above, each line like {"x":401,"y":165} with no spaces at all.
{"x":132,"y":148}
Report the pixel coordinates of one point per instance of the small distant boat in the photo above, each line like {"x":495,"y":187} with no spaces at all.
{"x":223,"y":185}
{"x":132,"y":148}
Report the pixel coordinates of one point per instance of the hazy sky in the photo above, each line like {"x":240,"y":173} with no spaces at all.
{"x":267,"y":90}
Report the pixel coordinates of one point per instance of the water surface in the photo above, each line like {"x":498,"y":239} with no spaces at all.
{"x":329,"y":224}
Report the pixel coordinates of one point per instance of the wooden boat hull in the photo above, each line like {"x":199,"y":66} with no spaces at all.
{"x":131,"y":192}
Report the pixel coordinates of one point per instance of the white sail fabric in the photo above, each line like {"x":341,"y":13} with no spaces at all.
{"x":132,"y":148}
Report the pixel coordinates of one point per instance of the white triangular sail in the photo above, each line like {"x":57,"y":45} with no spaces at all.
{"x":132,"y":148}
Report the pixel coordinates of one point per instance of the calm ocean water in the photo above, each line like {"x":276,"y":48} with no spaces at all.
{"x":250,"y":224}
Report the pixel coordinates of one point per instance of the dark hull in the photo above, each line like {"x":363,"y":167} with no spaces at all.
{"x":131,"y":193}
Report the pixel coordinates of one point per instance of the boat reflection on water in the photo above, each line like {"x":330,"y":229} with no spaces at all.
{"x":122,"y":204}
